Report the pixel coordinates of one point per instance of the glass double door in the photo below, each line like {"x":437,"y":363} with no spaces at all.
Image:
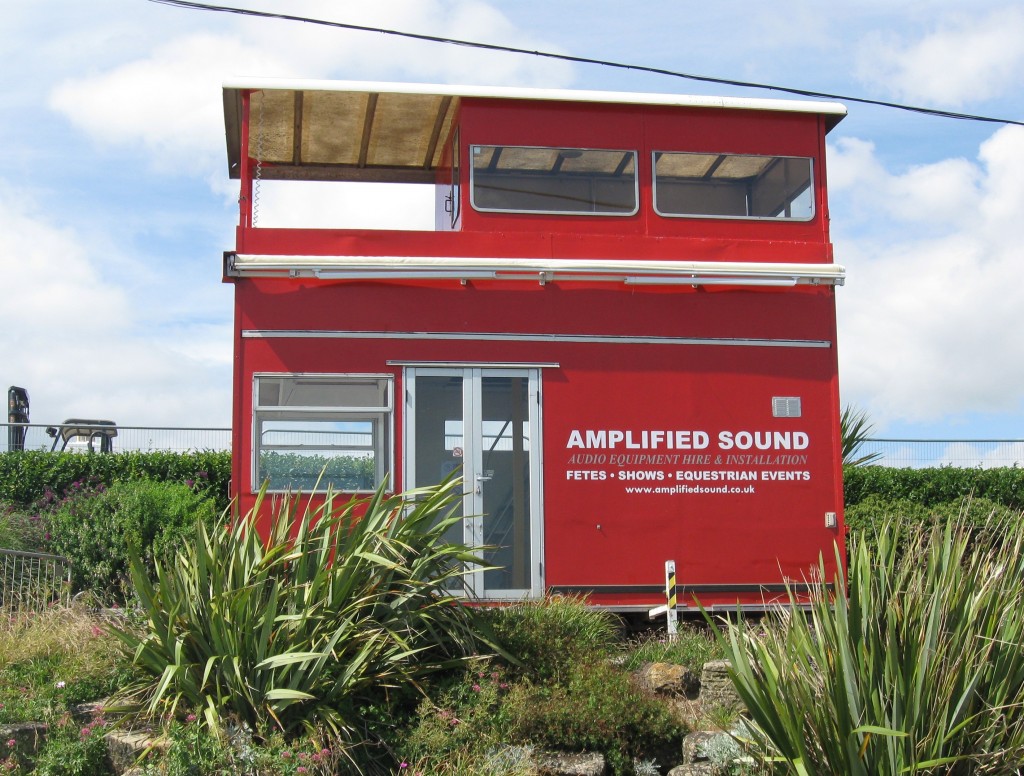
{"x":483,"y":425}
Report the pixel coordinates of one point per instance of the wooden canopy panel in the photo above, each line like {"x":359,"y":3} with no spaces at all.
{"x":344,"y":136}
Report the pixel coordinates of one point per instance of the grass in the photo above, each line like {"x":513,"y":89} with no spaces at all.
{"x":53,"y":660}
{"x":693,"y":646}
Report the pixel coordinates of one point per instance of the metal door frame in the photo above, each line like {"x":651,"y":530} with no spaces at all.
{"x":472,"y":390}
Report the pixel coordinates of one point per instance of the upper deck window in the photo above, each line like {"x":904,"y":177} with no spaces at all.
{"x":568,"y":181}
{"x":733,"y":186}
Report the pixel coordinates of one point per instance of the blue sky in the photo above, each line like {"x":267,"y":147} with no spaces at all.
{"x":115,"y":205}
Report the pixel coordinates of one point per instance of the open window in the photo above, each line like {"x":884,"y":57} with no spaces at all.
{"x":314,"y":432}
{"x":701,"y":185}
{"x":561,"y":181}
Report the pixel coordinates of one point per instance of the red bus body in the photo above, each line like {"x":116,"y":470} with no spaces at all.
{"x":617,"y":389}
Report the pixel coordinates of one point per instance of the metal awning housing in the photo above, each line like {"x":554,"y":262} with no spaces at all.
{"x":626,"y":271}
{"x":386,"y":132}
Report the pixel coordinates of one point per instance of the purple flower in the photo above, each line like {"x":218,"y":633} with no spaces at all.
{"x":190,"y":483}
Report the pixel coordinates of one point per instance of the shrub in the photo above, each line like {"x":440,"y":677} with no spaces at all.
{"x":307,"y":626}
{"x":465,"y":720}
{"x":929,"y":487}
{"x":97,"y":528}
{"x":913,"y":666}
{"x":26,"y":476}
{"x":561,"y":692}
{"x":548,"y":637}
{"x":486,"y":722}
{"x":192,"y":749}
{"x":74,"y":749}
{"x":983,"y":519}
{"x":598,"y":709}
{"x":21,"y":529}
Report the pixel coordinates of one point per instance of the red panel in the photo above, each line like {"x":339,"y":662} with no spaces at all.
{"x":727,"y":512}
{"x":803,"y":313}
{"x":542,"y":243}
{"x":715,"y":538}
{"x":644,"y":129}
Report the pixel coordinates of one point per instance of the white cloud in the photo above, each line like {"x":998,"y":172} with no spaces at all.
{"x":929,"y":314}
{"x":966,"y":59}
{"x":71,"y":336}
{"x":169,"y":102}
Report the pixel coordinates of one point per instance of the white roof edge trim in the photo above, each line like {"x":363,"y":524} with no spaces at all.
{"x":531,"y":93}
{"x":597,"y":269}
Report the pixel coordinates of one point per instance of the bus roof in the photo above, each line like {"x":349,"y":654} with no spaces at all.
{"x":380,"y":131}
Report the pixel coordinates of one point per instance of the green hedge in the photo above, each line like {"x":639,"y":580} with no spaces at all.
{"x":26,"y":476}
{"x":934,"y":487}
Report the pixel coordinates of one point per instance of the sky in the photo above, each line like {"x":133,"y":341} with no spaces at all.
{"x":116,"y":207}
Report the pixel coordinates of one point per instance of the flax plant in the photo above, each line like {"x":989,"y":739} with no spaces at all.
{"x":915,"y":666}
{"x":297,"y":629}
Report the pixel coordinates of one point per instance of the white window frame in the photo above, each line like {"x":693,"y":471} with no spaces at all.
{"x":546,"y":212}
{"x":787,"y":219}
{"x":382,"y":419}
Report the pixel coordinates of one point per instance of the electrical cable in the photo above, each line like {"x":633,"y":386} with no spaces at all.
{"x":190,"y":4}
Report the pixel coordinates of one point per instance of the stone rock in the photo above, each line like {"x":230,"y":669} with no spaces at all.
{"x":695,"y":769}
{"x":716,"y":688}
{"x":86,"y":712}
{"x":566,"y":764}
{"x":701,"y":746}
{"x":669,"y":679}
{"x":28,"y":739}
{"x":125,"y":747}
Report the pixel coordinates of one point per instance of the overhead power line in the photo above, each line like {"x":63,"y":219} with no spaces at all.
{"x":589,"y":61}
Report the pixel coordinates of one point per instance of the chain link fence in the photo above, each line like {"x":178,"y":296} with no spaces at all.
{"x":83,"y":436}
{"x":927,"y":453}
{"x":913,"y":453}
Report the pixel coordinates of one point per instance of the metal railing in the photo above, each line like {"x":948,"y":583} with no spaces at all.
{"x":927,"y":453}
{"x":126,"y":438}
{"x":32,"y":581}
{"x":912,"y":453}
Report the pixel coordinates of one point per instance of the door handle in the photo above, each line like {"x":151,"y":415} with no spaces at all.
{"x":480,"y":478}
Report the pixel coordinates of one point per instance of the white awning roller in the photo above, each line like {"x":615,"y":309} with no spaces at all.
{"x":626,"y":271}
